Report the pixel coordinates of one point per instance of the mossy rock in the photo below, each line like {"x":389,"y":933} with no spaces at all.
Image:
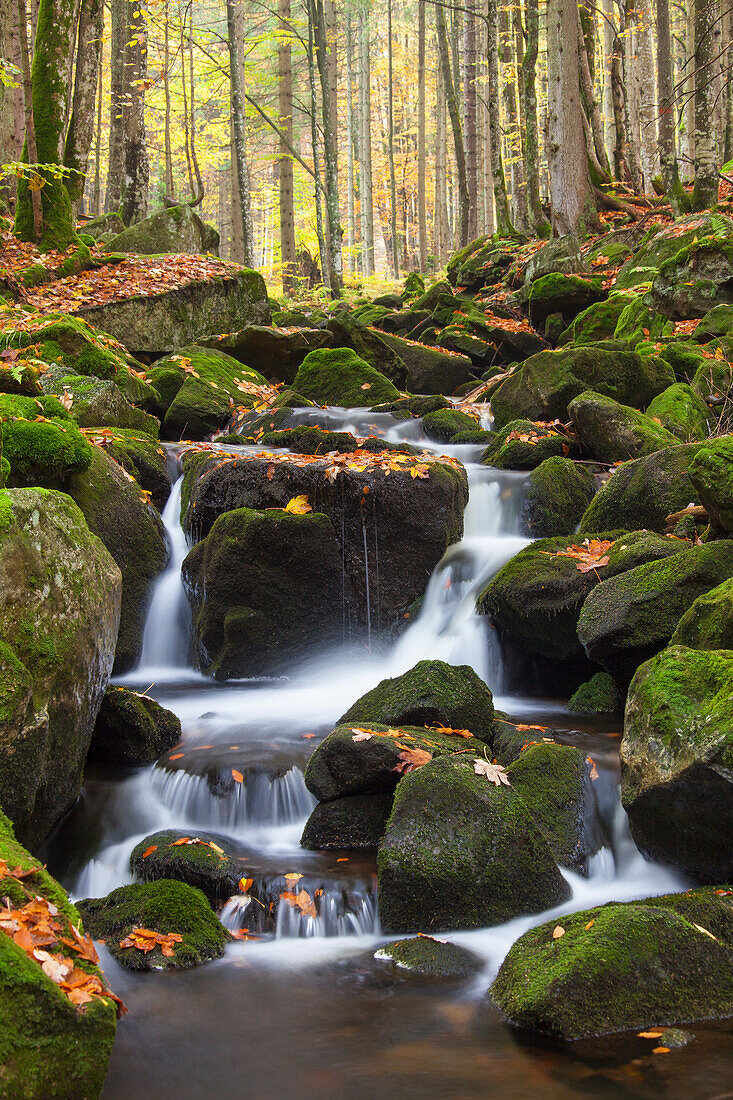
{"x":176,"y":229}
{"x":141,"y":456}
{"x":644,"y":492}
{"x":308,"y":439}
{"x":677,"y":760}
{"x":369,"y":345}
{"x":481,"y":263}
{"x":430,"y":693}
{"x":684,"y":357}
{"x":133,"y":532}
{"x":431,"y":370}
{"x":443,"y":424}
{"x":48,"y":1047}
{"x":713,"y":380}
{"x":639,"y":321}
{"x":416,"y":406}
{"x":708,"y":622}
{"x":621,"y":966}
{"x":266,"y":589}
{"x":215,"y":871}
{"x":612,"y":432}
{"x":562,"y":254}
{"x":698,"y":276}
{"x":545,"y":384}
{"x":662,"y":245}
{"x":355,"y":822}
{"x":682,"y":412}
{"x":597,"y":322}
{"x":59,"y":339}
{"x":431,"y":958}
{"x":711,"y":472}
{"x":41,"y":449}
{"x":460,"y":852}
{"x":414,"y":285}
{"x":599,"y":695}
{"x":162,"y":907}
{"x":275,"y":352}
{"x":59,"y":615}
{"x":95,"y":403}
{"x":560,"y":293}
{"x":629,"y":618}
{"x":132,"y":730}
{"x":340,"y":377}
{"x":524,"y":445}
{"x":717,"y":322}
{"x":557,"y":494}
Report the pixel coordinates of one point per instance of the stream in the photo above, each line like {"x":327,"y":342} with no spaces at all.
{"x":307,"y":1009}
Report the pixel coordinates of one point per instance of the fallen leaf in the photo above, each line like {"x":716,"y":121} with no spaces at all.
{"x":245,"y":884}
{"x":661,"y":1050}
{"x":410,"y":759}
{"x":237,"y":776}
{"x":558,"y":931}
{"x":149,"y":851}
{"x":293,"y":876}
{"x":493,"y":772}
{"x":361,"y":735}
{"x":298,"y":506}
{"x":590,"y":924}
{"x":657,"y":1034}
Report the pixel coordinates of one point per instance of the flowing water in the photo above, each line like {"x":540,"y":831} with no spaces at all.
{"x":307,"y":1008}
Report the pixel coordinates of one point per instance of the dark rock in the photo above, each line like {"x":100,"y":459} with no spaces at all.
{"x":557,"y":494}
{"x":209,"y":863}
{"x":612,"y":432}
{"x":355,"y":822}
{"x":431,"y":958}
{"x":132,"y":730}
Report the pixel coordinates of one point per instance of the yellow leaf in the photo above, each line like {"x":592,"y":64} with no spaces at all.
{"x":298,"y":506}
{"x":558,"y":931}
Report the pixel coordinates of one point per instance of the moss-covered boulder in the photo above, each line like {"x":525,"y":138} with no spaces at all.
{"x":266,"y":590}
{"x":630,"y":617}
{"x":429,"y":369}
{"x":94,"y":402}
{"x":132,"y":530}
{"x":546,"y":383}
{"x":568,"y":295}
{"x":599,"y":695}
{"x":339,"y":376}
{"x":154,"y":324}
{"x":677,"y":760}
{"x":59,"y":613}
{"x":708,"y":622}
{"x":711,"y":472}
{"x":460,"y":852}
{"x":62,"y":340}
{"x":164,"y":907}
{"x":639,"y":321}
{"x":369,"y":345}
{"x":480,"y":263}
{"x":132,"y":730}
{"x":699,"y":275}
{"x":622,"y":966}
{"x":612,"y":432}
{"x":410,"y":520}
{"x":717,"y":322}
{"x":430,"y":693}
{"x":105,"y":226}
{"x":40,"y":443}
{"x":557,"y":494}
{"x":644,"y":492}
{"x":431,"y":958}
{"x":204,"y":860}
{"x":443,"y":424}
{"x":348,"y":763}
{"x":597,"y":321}
{"x":49,"y":1047}
{"x":354,"y":822}
{"x":275,"y":352}
{"x":682,"y":412}
{"x":523,"y":445}
{"x":175,"y":229}
{"x":663,"y":244}
{"x":140,"y":455}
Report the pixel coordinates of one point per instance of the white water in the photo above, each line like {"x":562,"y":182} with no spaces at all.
{"x":267,"y":815}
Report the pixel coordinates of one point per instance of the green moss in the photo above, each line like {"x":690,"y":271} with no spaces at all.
{"x":597,"y":322}
{"x":142,"y":457}
{"x":560,"y":293}
{"x":431,"y":958}
{"x":708,"y":623}
{"x":443,"y":424}
{"x":164,"y":907}
{"x":132,"y":730}
{"x":711,"y":472}
{"x":196,"y":388}
{"x":599,"y":695}
{"x":340,"y":377}
{"x":557,"y":494}
{"x":638,"y":321}
{"x":612,"y":432}
{"x":307,"y":440}
{"x":215,"y":873}
{"x":682,"y":412}
{"x":621,"y":966}
{"x":684,"y":357}
{"x":539,"y":443}
{"x":42,"y":451}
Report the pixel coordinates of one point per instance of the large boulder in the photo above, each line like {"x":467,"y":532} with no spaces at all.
{"x":523,"y":445}
{"x":338,"y":376}
{"x":480,"y":263}
{"x":95,"y":401}
{"x":699,"y":275}
{"x":630,"y":617}
{"x":406,"y":522}
{"x":612,"y":432}
{"x":621,"y":967}
{"x":175,"y":229}
{"x":50,"y":1045}
{"x":681,"y":410}
{"x":556,"y":495}
{"x":204,"y":860}
{"x":274,"y":352}
{"x":460,"y":852}
{"x":369,"y":344}
{"x":597,"y":322}
{"x":132,"y":730}
{"x":131,"y":528}
{"x":355,"y":822}
{"x":154,"y":324}
{"x":568,"y":295}
{"x":59,"y":614}
{"x":41,"y":445}
{"x":431,"y":370}
{"x":711,"y":473}
{"x":708,"y":622}
{"x":545,"y":384}
{"x":644,"y":492}
{"x":677,"y":760}
{"x":141,"y":456}
{"x":662,"y":245}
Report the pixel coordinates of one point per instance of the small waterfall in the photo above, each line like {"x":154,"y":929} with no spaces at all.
{"x":165,"y":641}
{"x":342,"y":908}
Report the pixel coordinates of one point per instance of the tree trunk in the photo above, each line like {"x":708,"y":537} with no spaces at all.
{"x":440,"y":217}
{"x":285,"y":161}
{"x":592,"y":106}
{"x":645,"y":93}
{"x":390,"y":148}
{"x":422,"y":230}
{"x":198,"y":192}
{"x":236,"y":66}
{"x":97,"y":194}
{"x":705,"y":192}
{"x":665,"y":84}
{"x":11,"y":99}
{"x":365,"y":145}
{"x":118,"y":37}
{"x":49,"y":100}
{"x":170,"y":187}
{"x":513,"y":146}
{"x":455,"y":119}
{"x":322,"y":242}
{"x":350,"y":142}
{"x":571,"y":193}
{"x":469,"y":96}
{"x":504,"y":227}
{"x":536,"y":214}
{"x":320,"y":40}
{"x":30,"y":141}
{"x":631,"y":153}
{"x":81,"y":122}
{"x":135,"y":156}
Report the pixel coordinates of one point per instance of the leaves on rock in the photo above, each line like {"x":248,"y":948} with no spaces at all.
{"x":298,"y":506}
{"x":558,"y":931}
{"x":591,"y":554}
{"x":145,"y":940}
{"x":493,"y":772}
{"x":410,"y":759}
{"x":302,"y":901}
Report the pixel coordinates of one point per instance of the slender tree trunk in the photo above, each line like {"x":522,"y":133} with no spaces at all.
{"x":571,"y":192}
{"x":532,"y":151}
{"x":97,"y":197}
{"x":320,"y":40}
{"x":118,"y":37}
{"x":170,"y":188}
{"x":320,"y":229}
{"x":455,"y":118}
{"x":469,"y":94}
{"x":9,"y":149}
{"x":631,"y":153}
{"x":390,"y":148}
{"x":422,"y":230}
{"x":365,"y":145}
{"x":30,"y":130}
{"x":198,"y":190}
{"x":665,"y":94}
{"x":81,"y":122}
{"x":618,"y":97}
{"x":513,"y":144}
{"x":504,"y":227}
{"x":440,"y":217}
{"x":705,"y":192}
{"x":236,"y":67}
{"x":285,"y":161}
{"x":592,"y":106}
{"x":728,"y":139}
{"x":646,"y":92}
{"x":136,"y":164}
{"x":350,"y":142}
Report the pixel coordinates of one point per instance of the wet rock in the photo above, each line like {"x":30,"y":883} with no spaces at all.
{"x":354,"y":822}
{"x":612,"y":432}
{"x":443,"y":424}
{"x":274,"y":352}
{"x":460,"y":852}
{"x":523,"y":445}
{"x":338,"y":376}
{"x":431,"y":370}
{"x":59,"y":613}
{"x":560,"y":293}
{"x":682,"y":412}
{"x":132,"y":730}
{"x":431,"y":958}
{"x":142,"y":457}
{"x":430,"y":693}
{"x":557,"y":494}
{"x":629,"y":618}
{"x":209,"y":862}
{"x":677,"y":760}
{"x":708,"y":622}
{"x":162,"y":907}
{"x":620,"y":966}
{"x":599,"y":695}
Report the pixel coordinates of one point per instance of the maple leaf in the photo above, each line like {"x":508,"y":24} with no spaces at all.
{"x":149,"y":851}
{"x":493,"y":772}
{"x":411,"y":759}
{"x":361,"y":735}
{"x":245,"y":884}
{"x":302,"y":901}
{"x":55,"y":967}
{"x":448,"y":732}
{"x":298,"y":506}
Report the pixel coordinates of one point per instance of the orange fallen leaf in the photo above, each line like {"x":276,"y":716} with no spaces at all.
{"x":590,"y":924}
{"x":661,"y":1050}
{"x":237,"y":776}
{"x":298,"y":506}
{"x":558,"y":931}
{"x":149,"y":851}
{"x":410,"y":759}
{"x":245,"y":884}
{"x":176,"y":756}
{"x":656,"y":1034}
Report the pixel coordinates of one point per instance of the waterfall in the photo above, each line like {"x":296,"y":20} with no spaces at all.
{"x":165,"y":641}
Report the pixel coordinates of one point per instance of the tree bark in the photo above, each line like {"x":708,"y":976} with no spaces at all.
{"x":30,"y":141}
{"x":571,"y":194}
{"x":504,"y":227}
{"x":136,"y":165}
{"x":705,"y":192}
{"x":455,"y":119}
{"x":665,"y":93}
{"x":285,"y":161}
{"x":118,"y":37}
{"x":422,"y":230}
{"x":320,"y":41}
{"x":390,"y":148}
{"x":592,"y":106}
{"x":81,"y":122}
{"x":365,"y":145}
{"x":469,"y":97}
{"x":236,"y":66}
{"x":535,"y":212}
{"x":350,"y":143}
{"x":440,"y":217}
{"x":513,"y":144}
